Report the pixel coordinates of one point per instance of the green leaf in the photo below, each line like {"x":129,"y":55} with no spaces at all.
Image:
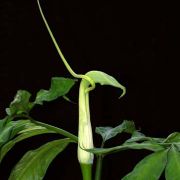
{"x":174,"y":137}
{"x":19,"y":125}
{"x":10,"y":129}
{"x":109,"y":132}
{"x":137,"y":137}
{"x":59,"y":87}
{"x":172,"y":171}
{"x":105,"y":79}
{"x":148,"y":145}
{"x":26,"y":133}
{"x":34,"y":164}
{"x":20,"y":104}
{"x":2,"y":123}
{"x":140,"y":137}
{"x":24,"y":129}
{"x":151,"y":167}
{"x":5,"y":134}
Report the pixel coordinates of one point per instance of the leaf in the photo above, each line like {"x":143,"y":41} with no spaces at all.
{"x":20,"y":104}
{"x":25,"y":129}
{"x":109,"y":132}
{"x":173,"y":165}
{"x":145,"y":145}
{"x":105,"y":79}
{"x":2,"y":123}
{"x":34,"y":164}
{"x":5,"y":134}
{"x":174,"y":137}
{"x":33,"y":131}
{"x":19,"y":125}
{"x":151,"y":167}
{"x":59,"y":87}
{"x":10,"y":129}
{"x":140,"y":137}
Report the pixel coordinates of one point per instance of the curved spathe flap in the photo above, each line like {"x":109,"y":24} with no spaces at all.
{"x":105,"y":79}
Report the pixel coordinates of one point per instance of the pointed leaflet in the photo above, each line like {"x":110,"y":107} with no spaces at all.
{"x":10,"y":129}
{"x":109,"y":132}
{"x":140,"y":137}
{"x":59,"y":87}
{"x":34,"y":164}
{"x":19,"y":126}
{"x":3,"y":123}
{"x":5,"y":135}
{"x":105,"y":79}
{"x":172,"y":171}
{"x":31,"y":131}
{"x":20,"y":104}
{"x":151,"y":167}
{"x":174,"y":137}
{"x":26,"y":129}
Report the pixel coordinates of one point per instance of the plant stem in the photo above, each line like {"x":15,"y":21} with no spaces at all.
{"x":99,"y":164}
{"x":86,"y":170}
{"x":98,"y":167}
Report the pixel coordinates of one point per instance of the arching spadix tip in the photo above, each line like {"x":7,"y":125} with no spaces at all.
{"x":123,"y":93}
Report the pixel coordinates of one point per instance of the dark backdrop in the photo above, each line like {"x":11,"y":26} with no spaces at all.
{"x":136,"y":43}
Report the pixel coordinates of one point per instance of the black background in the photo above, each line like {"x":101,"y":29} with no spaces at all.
{"x":136,"y":43}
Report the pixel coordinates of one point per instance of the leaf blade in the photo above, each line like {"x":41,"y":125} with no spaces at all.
{"x":27,"y":134}
{"x":11,"y":129}
{"x":33,"y":165}
{"x":173,"y":165}
{"x":105,"y":79}
{"x":20,"y":104}
{"x":109,"y":132}
{"x":59,"y":87}
{"x":173,"y":137}
{"x":151,"y":166}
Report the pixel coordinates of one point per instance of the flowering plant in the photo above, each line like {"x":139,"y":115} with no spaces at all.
{"x":19,"y":125}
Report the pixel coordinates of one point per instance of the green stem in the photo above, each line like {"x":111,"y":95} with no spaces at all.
{"x":99,"y":161}
{"x":86,"y":170}
{"x":98,"y":167}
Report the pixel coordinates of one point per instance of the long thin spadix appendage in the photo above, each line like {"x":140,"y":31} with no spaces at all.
{"x":81,"y":76}
{"x":85,"y":138}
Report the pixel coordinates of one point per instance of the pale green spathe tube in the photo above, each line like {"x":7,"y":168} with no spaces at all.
{"x":85,"y":131}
